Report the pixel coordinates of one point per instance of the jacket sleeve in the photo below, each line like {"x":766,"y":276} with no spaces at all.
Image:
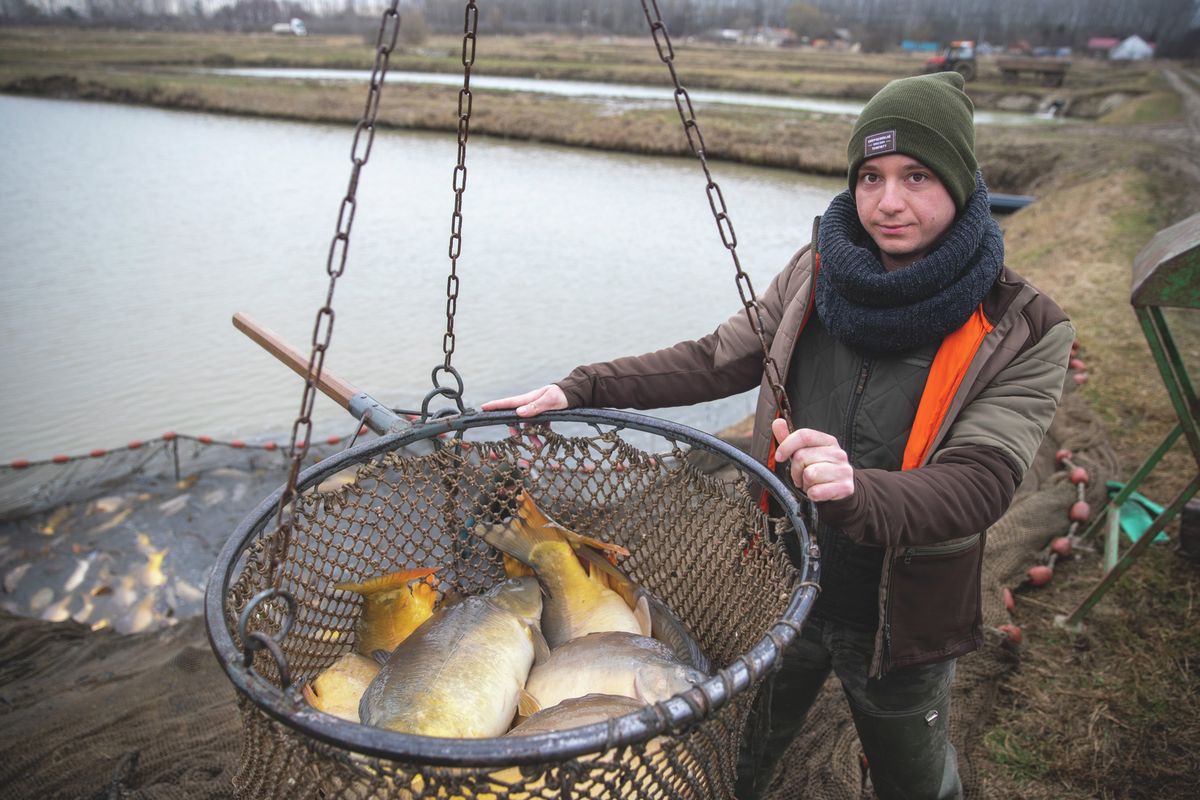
{"x":972,"y":477}
{"x":725,"y":362}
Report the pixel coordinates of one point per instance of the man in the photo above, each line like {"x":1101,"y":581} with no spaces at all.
{"x":920,"y":390}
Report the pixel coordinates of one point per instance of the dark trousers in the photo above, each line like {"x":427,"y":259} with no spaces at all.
{"x":902,"y":719}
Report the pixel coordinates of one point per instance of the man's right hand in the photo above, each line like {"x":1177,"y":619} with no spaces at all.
{"x":547,"y":398}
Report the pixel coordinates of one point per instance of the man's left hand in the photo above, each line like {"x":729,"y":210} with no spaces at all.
{"x":819,"y":466}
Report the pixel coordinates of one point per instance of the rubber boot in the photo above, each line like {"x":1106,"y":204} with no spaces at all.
{"x":909,"y":753}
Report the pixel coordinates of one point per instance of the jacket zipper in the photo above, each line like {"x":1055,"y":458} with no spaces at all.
{"x":922,"y":551}
{"x":883,"y":637}
{"x":864,"y":372}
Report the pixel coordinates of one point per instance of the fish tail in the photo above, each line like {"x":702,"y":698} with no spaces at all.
{"x":393,"y":580}
{"x":534,"y":517}
{"x":514,"y":568}
{"x":516,"y":539}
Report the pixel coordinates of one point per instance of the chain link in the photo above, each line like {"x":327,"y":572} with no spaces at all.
{"x":716,"y":201}
{"x":335,"y":265}
{"x":470,"y":21}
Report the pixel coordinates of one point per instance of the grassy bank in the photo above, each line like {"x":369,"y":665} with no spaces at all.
{"x":1108,"y":714}
{"x":162,"y":69}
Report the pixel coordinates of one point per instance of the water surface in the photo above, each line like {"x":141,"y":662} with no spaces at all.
{"x":129,"y":237}
{"x":618,"y":91}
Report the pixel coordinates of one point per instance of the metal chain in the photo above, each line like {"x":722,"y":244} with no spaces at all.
{"x":335,"y":265}
{"x":716,"y":201}
{"x":470,"y":20}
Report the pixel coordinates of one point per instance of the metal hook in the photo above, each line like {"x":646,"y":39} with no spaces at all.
{"x":257,"y":640}
{"x":454,"y":394}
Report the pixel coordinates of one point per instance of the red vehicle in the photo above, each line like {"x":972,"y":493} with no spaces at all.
{"x":958,"y":57}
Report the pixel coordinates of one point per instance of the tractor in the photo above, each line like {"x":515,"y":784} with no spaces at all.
{"x":958,"y":57}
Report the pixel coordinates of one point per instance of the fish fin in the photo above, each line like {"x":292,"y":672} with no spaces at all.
{"x":534,"y":517}
{"x":310,"y":695}
{"x":393,"y":580}
{"x":513,"y":538}
{"x":514,"y":568}
{"x":596,"y":575}
{"x":380,"y":655}
{"x":649,"y":687}
{"x":578,"y":541}
{"x":618,"y":581}
{"x":641,"y":613}
{"x":425,"y":593}
{"x":452,"y":596}
{"x":527,"y":704}
{"x":541,"y":648}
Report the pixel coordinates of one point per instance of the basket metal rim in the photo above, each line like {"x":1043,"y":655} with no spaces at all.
{"x":674,"y":714}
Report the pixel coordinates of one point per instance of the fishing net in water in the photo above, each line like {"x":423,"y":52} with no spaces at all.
{"x":697,"y":541}
{"x":30,"y":487}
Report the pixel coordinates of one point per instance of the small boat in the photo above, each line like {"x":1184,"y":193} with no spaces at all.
{"x":1008,"y":203}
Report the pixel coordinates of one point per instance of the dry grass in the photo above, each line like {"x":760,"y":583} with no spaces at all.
{"x":1112,"y":712}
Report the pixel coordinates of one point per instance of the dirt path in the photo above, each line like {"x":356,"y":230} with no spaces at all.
{"x":1184,"y":139}
{"x":1187,"y":89}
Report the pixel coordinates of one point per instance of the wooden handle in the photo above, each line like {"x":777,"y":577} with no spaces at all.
{"x":335,"y":388}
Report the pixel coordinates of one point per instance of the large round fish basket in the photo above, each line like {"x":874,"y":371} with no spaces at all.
{"x":685,"y":504}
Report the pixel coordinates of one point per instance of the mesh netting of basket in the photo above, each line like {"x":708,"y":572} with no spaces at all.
{"x":685,"y":504}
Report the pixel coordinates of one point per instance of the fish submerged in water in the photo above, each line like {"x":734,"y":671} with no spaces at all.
{"x":613,"y":663}
{"x":461,"y":672}
{"x":577,"y":603}
{"x":339,"y":689}
{"x":393,"y":607}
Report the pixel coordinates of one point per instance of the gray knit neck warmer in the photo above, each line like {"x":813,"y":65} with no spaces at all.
{"x":875,"y":311}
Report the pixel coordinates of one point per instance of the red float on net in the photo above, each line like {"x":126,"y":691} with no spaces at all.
{"x":1011,"y":632}
{"x":1040,"y":575}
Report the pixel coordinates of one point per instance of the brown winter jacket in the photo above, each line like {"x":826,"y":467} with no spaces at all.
{"x":931,"y":518}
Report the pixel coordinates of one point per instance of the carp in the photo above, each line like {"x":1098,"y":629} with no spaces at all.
{"x":575,"y":712}
{"x":576,"y":603}
{"x":460,"y":673}
{"x":393,"y":607}
{"x":664,"y":625}
{"x":339,"y":689}
{"x":614,"y":663}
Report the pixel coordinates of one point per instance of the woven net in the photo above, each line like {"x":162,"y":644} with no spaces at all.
{"x":697,"y":541}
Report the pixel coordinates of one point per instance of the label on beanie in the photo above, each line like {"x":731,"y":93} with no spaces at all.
{"x":878,"y":143}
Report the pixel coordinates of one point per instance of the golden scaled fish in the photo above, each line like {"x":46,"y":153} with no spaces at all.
{"x":576,"y":604}
{"x":394,"y":605}
{"x":616,"y":773}
{"x":613,"y":662}
{"x":664,"y":625}
{"x":575,"y":712}
{"x":339,"y":689}
{"x":460,"y":674}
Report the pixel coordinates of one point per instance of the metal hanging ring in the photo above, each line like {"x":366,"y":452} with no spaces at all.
{"x":257,"y":640}
{"x":264,"y":642}
{"x":444,"y":392}
{"x":453,"y":373}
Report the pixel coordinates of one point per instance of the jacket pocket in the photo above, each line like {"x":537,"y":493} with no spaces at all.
{"x":934,"y":610}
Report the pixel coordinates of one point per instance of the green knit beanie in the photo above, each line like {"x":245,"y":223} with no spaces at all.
{"x":927,"y":117}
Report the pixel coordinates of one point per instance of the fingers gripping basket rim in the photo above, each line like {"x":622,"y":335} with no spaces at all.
{"x":674,"y":714}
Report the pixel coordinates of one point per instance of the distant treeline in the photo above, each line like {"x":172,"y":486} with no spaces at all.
{"x":1174,"y":25}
